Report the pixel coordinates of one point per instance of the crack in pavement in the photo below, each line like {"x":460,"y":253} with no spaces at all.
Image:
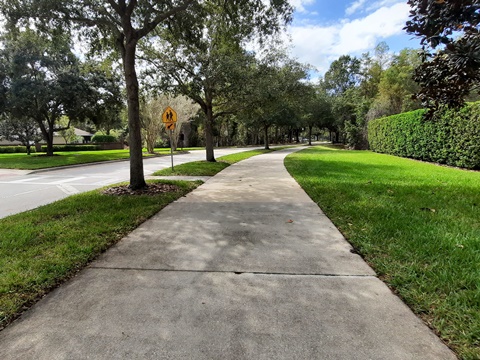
{"x":233,"y":272}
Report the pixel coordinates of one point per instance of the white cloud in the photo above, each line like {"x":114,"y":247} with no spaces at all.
{"x":318,"y":45}
{"x":381,"y":3}
{"x":353,"y":7}
{"x":299,"y":5}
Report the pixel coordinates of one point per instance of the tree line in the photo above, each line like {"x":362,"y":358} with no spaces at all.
{"x":140,"y":56}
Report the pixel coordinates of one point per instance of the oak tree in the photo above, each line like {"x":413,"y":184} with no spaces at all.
{"x":118,"y":24}
{"x":44,"y":82}
{"x":204,"y":54}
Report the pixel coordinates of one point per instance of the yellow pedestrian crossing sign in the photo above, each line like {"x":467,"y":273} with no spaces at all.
{"x":169,"y":115}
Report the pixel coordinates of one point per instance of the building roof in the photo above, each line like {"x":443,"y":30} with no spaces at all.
{"x":79,"y":132}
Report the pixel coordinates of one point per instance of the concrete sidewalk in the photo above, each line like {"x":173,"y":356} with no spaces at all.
{"x":244,"y":267}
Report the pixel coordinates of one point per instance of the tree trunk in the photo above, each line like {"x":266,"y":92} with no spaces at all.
{"x":265,"y":128}
{"x":137,"y":179}
{"x":49,"y":140}
{"x":310,"y":135}
{"x":28,"y":149}
{"x":209,"y":134}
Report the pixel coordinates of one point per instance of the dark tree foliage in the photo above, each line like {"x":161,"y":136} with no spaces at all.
{"x":451,"y":27}
{"x":43,"y":81}
{"x":203,"y":55}
{"x":118,"y":24}
{"x":24,"y":130}
{"x":342,"y":75}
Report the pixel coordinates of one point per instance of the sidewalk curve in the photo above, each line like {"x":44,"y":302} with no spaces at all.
{"x":244,"y":267}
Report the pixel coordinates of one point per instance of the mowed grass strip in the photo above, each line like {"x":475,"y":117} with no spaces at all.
{"x":417,"y":224}
{"x":205,"y":168}
{"x":41,"y":248}
{"x":41,"y":161}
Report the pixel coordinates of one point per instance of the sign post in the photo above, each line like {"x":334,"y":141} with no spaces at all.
{"x":169,"y":118}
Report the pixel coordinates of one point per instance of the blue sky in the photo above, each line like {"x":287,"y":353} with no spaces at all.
{"x":323,"y":30}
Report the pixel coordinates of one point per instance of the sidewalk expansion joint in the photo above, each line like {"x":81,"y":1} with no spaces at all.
{"x":234,"y":272}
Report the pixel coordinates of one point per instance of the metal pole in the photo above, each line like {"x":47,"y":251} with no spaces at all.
{"x":171,"y":146}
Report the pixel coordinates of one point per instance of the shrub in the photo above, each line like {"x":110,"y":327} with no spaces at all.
{"x":452,"y":137}
{"x":15,"y":149}
{"x":104,"y":138}
{"x":72,"y":148}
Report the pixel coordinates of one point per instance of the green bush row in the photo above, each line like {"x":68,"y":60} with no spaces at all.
{"x":104,"y":139}
{"x":15,"y":149}
{"x":452,"y":137}
{"x":73,"y":148}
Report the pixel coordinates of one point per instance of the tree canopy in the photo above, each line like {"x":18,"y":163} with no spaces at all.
{"x":117,"y":24}
{"x":44,"y":81}
{"x":275,"y":92}
{"x":449,"y":33}
{"x":203,"y":55}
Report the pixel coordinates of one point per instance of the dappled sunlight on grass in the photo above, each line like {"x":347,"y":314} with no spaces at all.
{"x":417,"y":224}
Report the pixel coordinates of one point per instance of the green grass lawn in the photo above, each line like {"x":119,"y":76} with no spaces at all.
{"x":205,"y":168}
{"x":417,"y":224}
{"x":41,"y":248}
{"x":41,"y":161}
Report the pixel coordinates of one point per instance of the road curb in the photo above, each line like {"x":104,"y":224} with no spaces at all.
{"x":95,"y":163}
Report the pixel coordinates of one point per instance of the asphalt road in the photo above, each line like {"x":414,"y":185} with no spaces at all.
{"x":22,"y":190}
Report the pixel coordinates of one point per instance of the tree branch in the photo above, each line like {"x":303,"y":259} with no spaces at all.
{"x":131,"y":6}
{"x":147,"y":28}
{"x":116,"y":6}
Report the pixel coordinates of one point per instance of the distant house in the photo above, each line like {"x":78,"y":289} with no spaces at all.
{"x":87,"y":137}
{"x":57,"y":139}
{"x":5,"y":142}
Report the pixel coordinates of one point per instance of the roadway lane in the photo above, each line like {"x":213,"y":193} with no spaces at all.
{"x":21,"y":191}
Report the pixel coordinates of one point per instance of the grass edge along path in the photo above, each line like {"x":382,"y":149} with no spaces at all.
{"x":416,"y":224}
{"x":41,"y":248}
{"x":205,"y":168}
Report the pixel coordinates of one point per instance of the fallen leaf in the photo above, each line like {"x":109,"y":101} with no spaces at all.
{"x":290,"y":221}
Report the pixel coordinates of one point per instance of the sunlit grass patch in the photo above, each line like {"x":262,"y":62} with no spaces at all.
{"x":417,"y":224}
{"x":205,"y":168}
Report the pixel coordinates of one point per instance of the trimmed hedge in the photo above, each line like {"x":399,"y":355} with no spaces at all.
{"x":452,"y":137}
{"x":16,"y":149}
{"x":104,"y":139}
{"x":73,"y":148}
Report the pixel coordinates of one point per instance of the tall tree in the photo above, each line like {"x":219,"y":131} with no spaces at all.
{"x":340,"y":82}
{"x":119,"y":24}
{"x":343,"y":74}
{"x":449,"y":33}
{"x":206,"y":60}
{"x":107,"y":115}
{"x":318,"y":112}
{"x":397,"y":86}
{"x":45,"y":82}
{"x":276,"y":92}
